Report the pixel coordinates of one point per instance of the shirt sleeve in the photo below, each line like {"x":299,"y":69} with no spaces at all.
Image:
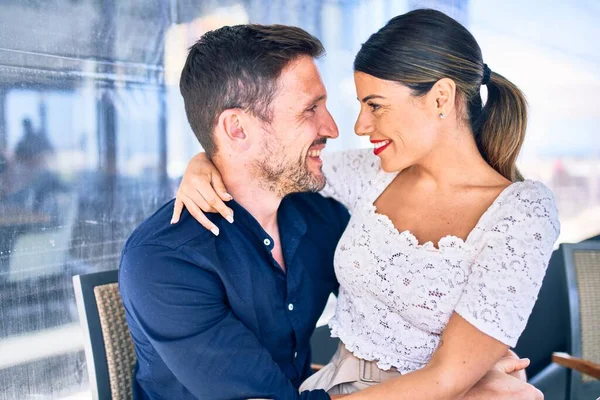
{"x":349,"y":173}
{"x":508,"y":272}
{"x":195,"y":333}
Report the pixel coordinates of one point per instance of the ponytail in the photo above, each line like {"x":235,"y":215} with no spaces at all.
{"x":499,"y":128}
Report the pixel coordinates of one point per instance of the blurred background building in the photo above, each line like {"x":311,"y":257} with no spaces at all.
{"x":93,"y":134}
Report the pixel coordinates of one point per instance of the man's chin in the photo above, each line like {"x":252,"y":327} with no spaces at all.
{"x":317,"y":183}
{"x":311,"y":183}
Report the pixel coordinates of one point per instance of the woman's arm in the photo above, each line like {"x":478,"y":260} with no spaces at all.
{"x":462,"y":358}
{"x":500,"y":382}
{"x":201,"y":190}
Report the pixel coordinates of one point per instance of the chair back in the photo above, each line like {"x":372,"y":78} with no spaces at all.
{"x":323,"y":346}
{"x":547,"y":329}
{"x":109,"y":349}
{"x":582,"y":268}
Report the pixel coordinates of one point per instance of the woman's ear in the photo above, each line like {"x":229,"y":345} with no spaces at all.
{"x":444,"y":93}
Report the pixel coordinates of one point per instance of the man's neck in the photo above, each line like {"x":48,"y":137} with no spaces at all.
{"x":262,"y":204}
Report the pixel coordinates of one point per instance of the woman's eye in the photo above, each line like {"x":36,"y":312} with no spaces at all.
{"x":374,"y":107}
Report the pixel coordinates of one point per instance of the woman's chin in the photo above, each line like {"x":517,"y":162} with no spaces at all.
{"x":392,"y":166}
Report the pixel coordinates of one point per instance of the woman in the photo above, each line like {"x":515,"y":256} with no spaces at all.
{"x":447,"y":246}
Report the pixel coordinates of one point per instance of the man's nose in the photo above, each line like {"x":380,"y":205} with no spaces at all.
{"x":329,"y":128}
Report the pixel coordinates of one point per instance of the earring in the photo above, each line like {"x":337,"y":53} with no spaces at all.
{"x":442,"y":115}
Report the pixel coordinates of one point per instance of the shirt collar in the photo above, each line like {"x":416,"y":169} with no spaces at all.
{"x":292,"y":225}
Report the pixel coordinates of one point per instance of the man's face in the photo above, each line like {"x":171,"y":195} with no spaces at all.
{"x":289,"y":159}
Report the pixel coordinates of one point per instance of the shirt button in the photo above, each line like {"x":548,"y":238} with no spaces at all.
{"x":267,"y":242}
{"x":291,"y":307}
{"x":296,"y":354}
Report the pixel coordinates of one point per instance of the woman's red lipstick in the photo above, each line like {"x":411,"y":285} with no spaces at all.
{"x":378,"y":150}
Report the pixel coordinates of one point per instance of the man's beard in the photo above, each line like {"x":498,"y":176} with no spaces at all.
{"x":276,"y":174}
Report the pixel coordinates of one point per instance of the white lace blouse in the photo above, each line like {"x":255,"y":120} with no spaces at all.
{"x":396,"y":295}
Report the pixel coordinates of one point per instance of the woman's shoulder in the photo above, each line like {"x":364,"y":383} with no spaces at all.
{"x":524,"y":206}
{"x":532,"y":188}
{"x":529,"y":194}
{"x":351,"y":174}
{"x":352,"y":158}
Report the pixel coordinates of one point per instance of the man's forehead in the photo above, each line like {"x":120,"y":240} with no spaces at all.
{"x":301,"y":80}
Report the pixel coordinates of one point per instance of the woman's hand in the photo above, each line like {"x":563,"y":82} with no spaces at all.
{"x":202,"y":190}
{"x":513,"y":365}
{"x":500,"y":386}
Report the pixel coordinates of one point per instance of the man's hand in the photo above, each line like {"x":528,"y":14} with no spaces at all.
{"x":497,"y":385}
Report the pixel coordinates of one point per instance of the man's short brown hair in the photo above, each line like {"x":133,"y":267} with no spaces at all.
{"x":238,"y":67}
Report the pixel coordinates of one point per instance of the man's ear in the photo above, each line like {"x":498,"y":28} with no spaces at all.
{"x":230,"y":123}
{"x":231,"y":129}
{"x":444,"y":94}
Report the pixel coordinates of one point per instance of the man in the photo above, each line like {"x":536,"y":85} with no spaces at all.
{"x":231,"y":317}
{"x":229,"y":314}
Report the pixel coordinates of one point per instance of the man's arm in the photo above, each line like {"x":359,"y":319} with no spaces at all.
{"x":182,"y":309}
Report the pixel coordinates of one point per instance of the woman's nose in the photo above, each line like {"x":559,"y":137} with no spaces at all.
{"x":363,"y":125}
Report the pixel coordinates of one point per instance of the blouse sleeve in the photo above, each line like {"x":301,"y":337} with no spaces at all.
{"x":349,"y":173}
{"x":508,"y":272}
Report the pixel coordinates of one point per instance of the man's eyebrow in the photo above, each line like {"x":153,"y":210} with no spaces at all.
{"x":370,"y":97}
{"x":316,"y":100}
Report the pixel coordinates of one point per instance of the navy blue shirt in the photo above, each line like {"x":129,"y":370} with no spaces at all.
{"x":217,"y":317}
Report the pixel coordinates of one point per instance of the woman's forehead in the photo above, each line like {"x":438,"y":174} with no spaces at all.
{"x":369,"y":85}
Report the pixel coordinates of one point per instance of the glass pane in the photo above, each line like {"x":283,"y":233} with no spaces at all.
{"x":93,"y":135}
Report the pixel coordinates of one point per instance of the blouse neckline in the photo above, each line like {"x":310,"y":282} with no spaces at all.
{"x":448,"y":241}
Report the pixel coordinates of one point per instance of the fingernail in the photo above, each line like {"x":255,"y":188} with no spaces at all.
{"x":173,"y":221}
{"x":215,"y":231}
{"x":228,"y":195}
{"x":229,"y":218}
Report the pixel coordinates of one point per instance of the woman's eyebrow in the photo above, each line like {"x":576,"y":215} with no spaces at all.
{"x":370,"y":97}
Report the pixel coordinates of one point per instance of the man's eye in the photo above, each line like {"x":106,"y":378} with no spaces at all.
{"x":312,"y":109}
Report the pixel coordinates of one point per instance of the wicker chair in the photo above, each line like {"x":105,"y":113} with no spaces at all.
{"x":109,"y":349}
{"x":582,"y":265}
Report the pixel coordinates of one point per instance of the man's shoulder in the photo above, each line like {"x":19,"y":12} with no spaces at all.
{"x":158,"y":251}
{"x":157,"y":231}
{"x":316,"y":207}
{"x":314,"y":200}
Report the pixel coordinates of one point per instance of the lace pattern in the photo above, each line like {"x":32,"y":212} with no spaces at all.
{"x":396,"y":295}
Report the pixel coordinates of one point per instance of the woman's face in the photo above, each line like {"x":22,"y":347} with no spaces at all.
{"x":402,"y":128}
